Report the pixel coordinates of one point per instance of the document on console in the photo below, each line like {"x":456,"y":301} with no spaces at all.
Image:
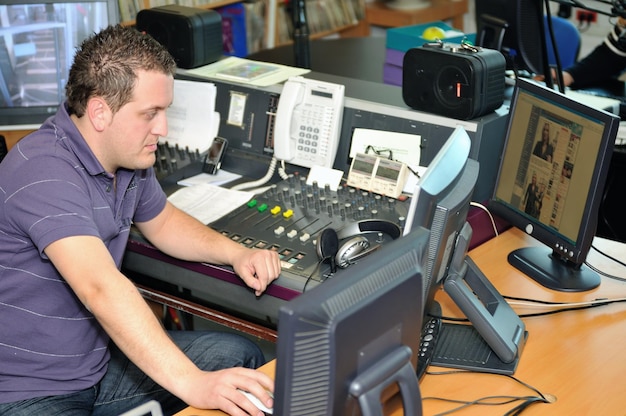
{"x":208,"y":203}
{"x":192,"y":120}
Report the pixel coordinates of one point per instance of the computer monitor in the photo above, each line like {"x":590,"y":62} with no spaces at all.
{"x":38,"y":39}
{"x":347,"y":344}
{"x":523,"y":42}
{"x":440,"y":203}
{"x":551,"y":180}
{"x":338,"y":332}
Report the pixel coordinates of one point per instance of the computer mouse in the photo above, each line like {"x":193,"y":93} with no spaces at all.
{"x":257,"y":402}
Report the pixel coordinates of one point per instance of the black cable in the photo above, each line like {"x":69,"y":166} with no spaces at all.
{"x":482,"y":401}
{"x":534,"y":315}
{"x":545,"y":302}
{"x":310,"y":276}
{"x":597,"y":302}
{"x":608,"y":256}
{"x":554,"y":312}
{"x":603,"y":273}
{"x":609,"y":276}
{"x":529,"y":401}
{"x":502,"y":400}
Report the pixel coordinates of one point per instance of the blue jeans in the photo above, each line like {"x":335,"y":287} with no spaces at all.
{"x":125,"y":387}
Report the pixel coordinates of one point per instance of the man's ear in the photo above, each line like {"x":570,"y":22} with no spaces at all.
{"x":99,"y":113}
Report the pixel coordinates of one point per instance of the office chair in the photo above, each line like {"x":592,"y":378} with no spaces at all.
{"x":567,"y":40}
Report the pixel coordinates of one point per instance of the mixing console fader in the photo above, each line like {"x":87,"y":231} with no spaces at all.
{"x":289,"y":217}
{"x":174,"y":163}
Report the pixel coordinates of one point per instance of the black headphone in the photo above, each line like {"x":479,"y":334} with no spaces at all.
{"x":356,"y":246}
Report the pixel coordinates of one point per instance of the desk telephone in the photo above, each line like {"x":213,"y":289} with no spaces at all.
{"x":308,"y":122}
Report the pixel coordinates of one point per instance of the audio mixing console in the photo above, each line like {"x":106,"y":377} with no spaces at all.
{"x":289,"y":217}
{"x":174,"y":163}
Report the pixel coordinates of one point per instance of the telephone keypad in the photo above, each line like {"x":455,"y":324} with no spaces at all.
{"x":311,"y":131}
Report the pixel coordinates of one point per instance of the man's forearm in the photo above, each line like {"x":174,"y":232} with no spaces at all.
{"x":130,"y":323}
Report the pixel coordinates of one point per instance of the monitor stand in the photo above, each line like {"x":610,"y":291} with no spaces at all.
{"x":394,"y":368}
{"x":548,"y":269}
{"x":496,"y":338}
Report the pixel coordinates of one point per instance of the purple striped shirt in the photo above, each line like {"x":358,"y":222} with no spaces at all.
{"x":52,"y":187}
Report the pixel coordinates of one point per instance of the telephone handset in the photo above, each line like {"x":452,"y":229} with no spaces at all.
{"x":308,"y":122}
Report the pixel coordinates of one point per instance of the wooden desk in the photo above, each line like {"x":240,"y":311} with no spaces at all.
{"x":578,"y":357}
{"x":378,"y":14}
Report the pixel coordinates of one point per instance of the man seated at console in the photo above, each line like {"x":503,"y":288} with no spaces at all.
{"x":76,"y":337}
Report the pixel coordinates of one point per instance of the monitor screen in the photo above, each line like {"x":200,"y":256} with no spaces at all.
{"x":353,"y":338}
{"x":550,"y":182}
{"x":38,"y":39}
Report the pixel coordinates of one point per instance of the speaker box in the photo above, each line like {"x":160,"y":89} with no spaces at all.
{"x":193,"y":36}
{"x":457,"y":81}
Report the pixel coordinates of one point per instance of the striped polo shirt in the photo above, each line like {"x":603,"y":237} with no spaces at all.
{"x":52,"y":187}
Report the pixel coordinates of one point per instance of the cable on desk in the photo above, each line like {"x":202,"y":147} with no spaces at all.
{"x":607,"y":275}
{"x":545,"y":303}
{"x":595,"y":269}
{"x":608,"y":256}
{"x":494,"y":400}
{"x":484,"y":208}
{"x":483,"y":401}
{"x":520,"y":408}
{"x":559,"y":306}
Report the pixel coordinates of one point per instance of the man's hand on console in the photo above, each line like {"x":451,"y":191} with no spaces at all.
{"x":257,"y":268}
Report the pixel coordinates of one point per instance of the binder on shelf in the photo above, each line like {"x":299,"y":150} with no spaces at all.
{"x":234,"y":36}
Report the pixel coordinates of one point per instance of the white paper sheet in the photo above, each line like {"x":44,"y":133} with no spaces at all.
{"x":220,"y":178}
{"x":192,"y":119}
{"x":207,"y":202}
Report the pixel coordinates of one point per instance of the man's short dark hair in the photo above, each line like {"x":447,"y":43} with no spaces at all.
{"x":106,"y":65}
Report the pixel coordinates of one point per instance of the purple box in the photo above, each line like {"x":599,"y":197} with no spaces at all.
{"x":392,"y":74}
{"x":394,"y":57}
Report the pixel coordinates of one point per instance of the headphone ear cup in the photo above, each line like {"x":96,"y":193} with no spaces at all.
{"x":350,"y":249}
{"x":327,"y":246}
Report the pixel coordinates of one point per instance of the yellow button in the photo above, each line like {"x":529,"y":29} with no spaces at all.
{"x":275,"y":210}
{"x":288,"y":213}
